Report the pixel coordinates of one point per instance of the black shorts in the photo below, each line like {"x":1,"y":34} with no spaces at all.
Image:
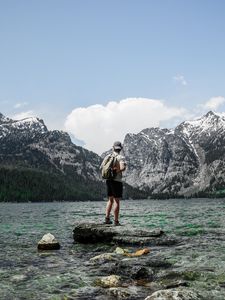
{"x":114,"y":188}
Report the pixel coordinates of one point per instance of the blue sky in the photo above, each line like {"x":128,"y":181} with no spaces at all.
{"x":57,"y":56}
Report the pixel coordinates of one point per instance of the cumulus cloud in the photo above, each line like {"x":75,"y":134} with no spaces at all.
{"x":23,"y":115}
{"x":214,"y":103}
{"x":19,"y":105}
{"x":180,"y":79}
{"x":99,"y":126}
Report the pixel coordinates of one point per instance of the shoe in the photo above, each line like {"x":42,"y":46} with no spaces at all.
{"x":117,"y":223}
{"x":107,"y":221}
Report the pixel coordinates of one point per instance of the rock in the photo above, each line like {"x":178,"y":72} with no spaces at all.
{"x":126,"y":252}
{"x":129,"y":269}
{"x":174,"y":294}
{"x":121,"y":251}
{"x":120,"y":293}
{"x":95,"y":233}
{"x":175,"y":284}
{"x":141,"y":272}
{"x":104,"y":257}
{"x":162,"y":240}
{"x":109,"y":281}
{"x":87,"y":292}
{"x":48,"y":242}
{"x":18,"y":278}
{"x":156,"y":262}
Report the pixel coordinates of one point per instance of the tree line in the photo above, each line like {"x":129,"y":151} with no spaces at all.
{"x":35,"y":185}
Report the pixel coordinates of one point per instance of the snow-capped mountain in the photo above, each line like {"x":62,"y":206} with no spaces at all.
{"x":47,"y":164}
{"x":28,"y":128}
{"x":29,"y":143}
{"x":183,"y":161}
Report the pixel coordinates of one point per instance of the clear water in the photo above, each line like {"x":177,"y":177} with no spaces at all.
{"x":26,"y":273}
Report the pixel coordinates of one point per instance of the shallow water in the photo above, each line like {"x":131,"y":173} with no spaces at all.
{"x":26,"y":273}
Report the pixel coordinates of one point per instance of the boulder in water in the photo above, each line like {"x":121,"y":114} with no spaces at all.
{"x":48,"y":242}
{"x":174,"y":294}
{"x":95,"y":233}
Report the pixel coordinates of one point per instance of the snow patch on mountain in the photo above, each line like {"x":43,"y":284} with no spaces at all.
{"x":30,"y":123}
{"x":178,"y":161}
{"x":209,"y":123}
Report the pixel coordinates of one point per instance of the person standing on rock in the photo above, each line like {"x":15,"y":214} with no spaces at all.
{"x":114,"y":185}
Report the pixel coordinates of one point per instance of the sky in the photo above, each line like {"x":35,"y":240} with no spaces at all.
{"x":99,"y":69}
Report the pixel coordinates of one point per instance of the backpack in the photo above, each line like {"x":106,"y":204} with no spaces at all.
{"x":107,"y":167}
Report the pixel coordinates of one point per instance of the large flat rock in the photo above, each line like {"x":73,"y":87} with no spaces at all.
{"x":95,"y":233}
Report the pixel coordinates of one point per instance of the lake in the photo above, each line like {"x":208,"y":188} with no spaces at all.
{"x":26,"y":273}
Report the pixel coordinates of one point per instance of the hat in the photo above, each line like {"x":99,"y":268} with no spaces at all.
{"x":117,"y":146}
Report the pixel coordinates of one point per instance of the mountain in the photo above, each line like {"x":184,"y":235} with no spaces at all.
{"x":28,"y":143}
{"x":39,"y":165}
{"x":187,"y":161}
{"x":37,"y":158}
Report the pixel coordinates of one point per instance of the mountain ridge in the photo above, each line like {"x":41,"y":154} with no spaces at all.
{"x":28,"y":150}
{"x":179,"y":162}
{"x":185,"y":161}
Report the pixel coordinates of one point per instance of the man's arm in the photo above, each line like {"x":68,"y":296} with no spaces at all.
{"x":122,"y":165}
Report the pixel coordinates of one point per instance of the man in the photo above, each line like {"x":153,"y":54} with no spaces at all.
{"x":115,"y":185}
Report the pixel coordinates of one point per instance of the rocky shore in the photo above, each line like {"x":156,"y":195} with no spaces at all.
{"x":134,"y":267}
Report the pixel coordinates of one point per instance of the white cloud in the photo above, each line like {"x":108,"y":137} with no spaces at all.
{"x":23,"y":115}
{"x":99,"y":126}
{"x":19,"y":105}
{"x":214,"y":103}
{"x":180,"y":79}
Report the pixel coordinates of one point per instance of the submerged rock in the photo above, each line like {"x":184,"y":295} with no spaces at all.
{"x":109,"y":281}
{"x":103,"y":257}
{"x":48,"y":242}
{"x":174,"y":294}
{"x":126,"y":252}
{"x":88,"y":293}
{"x":121,"y":293}
{"x":130,"y":269}
{"x":18,"y":278}
{"x":95,"y":233}
{"x":175,"y":284}
{"x":141,"y":272}
{"x":121,"y":251}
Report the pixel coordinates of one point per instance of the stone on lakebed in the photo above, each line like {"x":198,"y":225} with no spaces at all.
{"x":109,"y":281}
{"x":175,"y":294}
{"x":48,"y":242}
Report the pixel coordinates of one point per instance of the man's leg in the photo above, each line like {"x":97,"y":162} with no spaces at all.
{"x":116,"y":209}
{"x":109,"y":203}
{"x":109,"y":207}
